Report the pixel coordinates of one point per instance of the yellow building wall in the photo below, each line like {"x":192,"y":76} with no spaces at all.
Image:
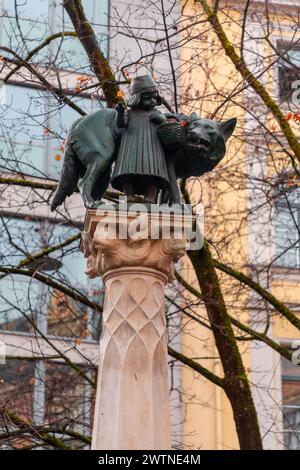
{"x":208,"y":421}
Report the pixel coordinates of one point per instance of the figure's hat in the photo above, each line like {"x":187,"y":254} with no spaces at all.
{"x":141,"y":84}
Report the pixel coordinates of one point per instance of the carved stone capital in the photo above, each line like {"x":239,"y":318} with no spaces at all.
{"x":119,"y":239}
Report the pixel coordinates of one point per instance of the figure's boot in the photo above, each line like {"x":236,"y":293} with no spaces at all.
{"x":129,"y":191}
{"x":150,"y":196}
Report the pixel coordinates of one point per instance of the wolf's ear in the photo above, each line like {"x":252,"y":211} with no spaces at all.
{"x":194,"y":117}
{"x":227,"y":127}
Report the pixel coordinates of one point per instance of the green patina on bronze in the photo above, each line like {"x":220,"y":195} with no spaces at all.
{"x":141,"y":163}
{"x":150,"y":150}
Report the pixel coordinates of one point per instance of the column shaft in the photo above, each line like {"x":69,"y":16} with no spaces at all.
{"x":132,"y":402}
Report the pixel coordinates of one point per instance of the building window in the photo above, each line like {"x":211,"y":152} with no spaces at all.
{"x":26,"y":304}
{"x":287,"y":228}
{"x":33,"y":124}
{"x":39,"y":388}
{"x":68,"y":53}
{"x":36,"y":20}
{"x":288,"y":73}
{"x":291,"y":404}
{"x":33,"y":129}
{"x":47,"y":393}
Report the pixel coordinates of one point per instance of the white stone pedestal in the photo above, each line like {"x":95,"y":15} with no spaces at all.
{"x":132,"y":400}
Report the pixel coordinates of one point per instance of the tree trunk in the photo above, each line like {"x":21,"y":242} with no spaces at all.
{"x":236,"y":384}
{"x":99,"y":62}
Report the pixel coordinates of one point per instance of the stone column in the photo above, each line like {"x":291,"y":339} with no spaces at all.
{"x":132,"y":400}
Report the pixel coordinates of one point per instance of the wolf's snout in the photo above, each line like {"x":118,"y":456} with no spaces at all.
{"x":203,"y":141}
{"x":194,"y":136}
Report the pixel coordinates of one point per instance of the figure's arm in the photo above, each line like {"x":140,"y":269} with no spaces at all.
{"x":172,"y":116}
{"x":158,"y":118}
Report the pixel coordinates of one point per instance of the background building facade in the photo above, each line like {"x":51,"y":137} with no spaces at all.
{"x":251,"y":218}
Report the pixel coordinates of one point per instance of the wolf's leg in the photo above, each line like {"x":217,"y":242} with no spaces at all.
{"x":68,"y":178}
{"x":164,"y":196}
{"x":101,"y":186}
{"x":175,"y":193}
{"x":128,"y":189}
{"x":84,"y":187}
{"x":93,"y":172}
{"x":151,"y":192}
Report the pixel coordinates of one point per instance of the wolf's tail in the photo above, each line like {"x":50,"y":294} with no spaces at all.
{"x":68,"y":178}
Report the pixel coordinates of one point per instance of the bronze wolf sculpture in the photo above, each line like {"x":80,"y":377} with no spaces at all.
{"x":93,"y":141}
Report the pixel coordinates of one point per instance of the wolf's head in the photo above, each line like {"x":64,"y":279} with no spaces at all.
{"x":204,"y":144}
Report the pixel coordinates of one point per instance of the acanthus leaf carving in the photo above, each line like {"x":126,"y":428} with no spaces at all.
{"x":105,"y":250}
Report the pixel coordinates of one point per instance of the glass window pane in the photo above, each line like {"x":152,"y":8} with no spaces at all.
{"x":23,"y":113}
{"x":33,"y":26}
{"x":291,"y":404}
{"x":30,"y":29}
{"x":288,"y":72}
{"x":24,"y":38}
{"x":22,"y":158}
{"x":22,"y":123}
{"x":63,"y":19}
{"x":292,"y":57}
{"x":23,"y":299}
{"x":20,"y":303}
{"x":67,"y":317}
{"x":29,"y":9}
{"x":17,"y":382}
{"x":69,"y":51}
{"x":33,"y":124}
{"x":63,"y":116}
{"x":287,"y":229}
{"x":71,"y":54}
{"x":68,"y":398}
{"x":287,"y":237}
{"x":19,"y":237}
{"x":60,"y":120}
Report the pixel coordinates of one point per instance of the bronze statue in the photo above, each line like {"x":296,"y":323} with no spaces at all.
{"x":193,"y":146}
{"x":140,"y":166}
{"x":150,"y":150}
